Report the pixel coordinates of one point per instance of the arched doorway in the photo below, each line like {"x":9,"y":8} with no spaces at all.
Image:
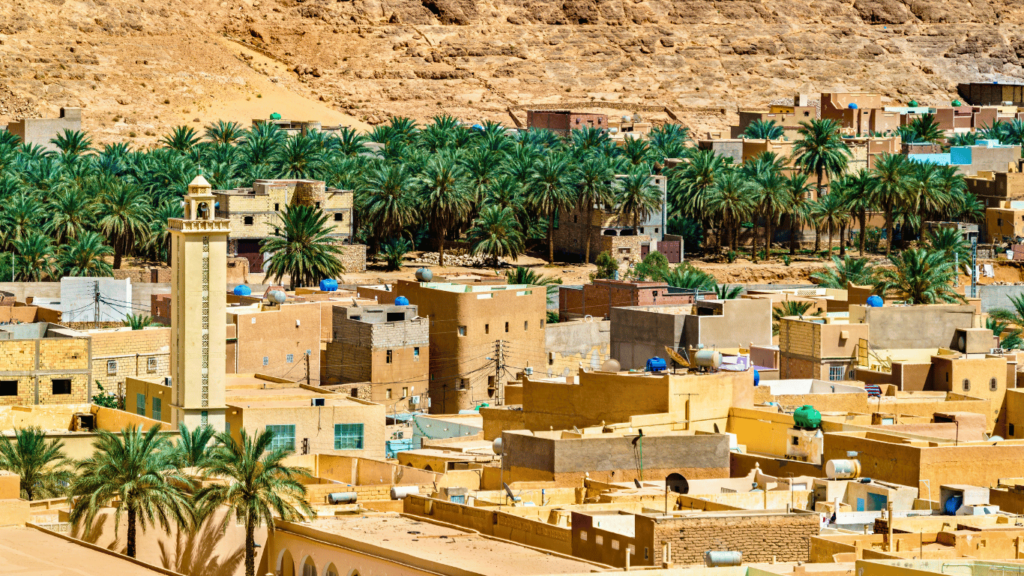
{"x":286,"y":564}
{"x":308,"y":567}
{"x":676,"y":483}
{"x":331,"y":570}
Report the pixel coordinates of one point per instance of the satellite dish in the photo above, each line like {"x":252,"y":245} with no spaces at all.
{"x":611,"y":365}
{"x":677,"y":357}
{"x":637,"y":483}
{"x":496,"y":445}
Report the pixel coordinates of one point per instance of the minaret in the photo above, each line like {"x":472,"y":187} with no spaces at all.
{"x":198,"y":310}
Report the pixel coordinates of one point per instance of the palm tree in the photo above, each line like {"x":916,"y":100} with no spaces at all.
{"x":637,"y":196}
{"x":821,"y":151}
{"x":920,"y":276}
{"x":298,"y":157}
{"x":594,"y":188}
{"x":690,"y":278}
{"x":301,"y":247}
{"x":132,"y":472}
{"x":669,"y":140}
{"x":690,"y":184}
{"x":892,"y":183}
{"x":259,"y":487}
{"x":788,"y":308}
{"x":964,"y":139}
{"x":776,"y":199}
{"x":86,"y":256}
{"x":799,"y":211}
{"x":194,"y":448}
{"x":181,"y":138}
{"x":830,"y":212}
{"x":138,"y":321}
{"x":925,"y":129}
{"x":763,"y":130}
{"x":1011,"y":340}
{"x":445,"y":197}
{"x":860,"y":197}
{"x":1013,"y":133}
{"x":1014,"y":316}
{"x":726,"y":292}
{"x":732,"y":199}
{"x":495,"y":233}
{"x":72,"y":143}
{"x":844,"y":271}
{"x":222,"y":132}
{"x":71,"y":212}
{"x":548,"y":191}
{"x":523,"y":275}
{"x":41,"y":464}
{"x":394,"y":252}
{"x":36,"y":258}
{"x":950,"y":242}
{"x":391,"y":203}
{"x":126,"y":213}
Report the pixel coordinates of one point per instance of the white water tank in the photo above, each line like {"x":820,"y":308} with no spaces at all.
{"x":839,"y":469}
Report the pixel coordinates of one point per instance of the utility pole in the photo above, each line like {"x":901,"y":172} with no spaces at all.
{"x":499,"y":366}
{"x":307,"y":369}
{"x":974,"y":266}
{"x":96,"y":303}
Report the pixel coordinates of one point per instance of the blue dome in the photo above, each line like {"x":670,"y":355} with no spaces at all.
{"x":757,"y":377}
{"x":328,"y":285}
{"x":242,"y":290}
{"x":852,"y":106}
{"x":401,"y":301}
{"x":875,"y":301}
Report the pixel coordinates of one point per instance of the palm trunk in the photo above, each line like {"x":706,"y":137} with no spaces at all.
{"x":551,"y":238}
{"x":817,"y":229}
{"x":118,"y":250}
{"x":817,"y":239}
{"x":888,"y":230}
{"x":842,"y":240}
{"x":793,"y":231}
{"x":829,"y":240}
{"x":440,"y":250}
{"x":768,"y":236}
{"x":753,"y":242}
{"x":250,"y":548}
{"x":863,"y":225}
{"x":586,"y":228}
{"x":131,"y":533}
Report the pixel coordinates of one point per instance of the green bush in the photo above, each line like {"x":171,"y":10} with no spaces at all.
{"x":607,"y":266}
{"x":731,"y":256}
{"x":787,"y":260}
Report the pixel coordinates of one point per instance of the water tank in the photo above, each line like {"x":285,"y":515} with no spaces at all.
{"x":277,"y":296}
{"x":807,"y":417}
{"x":757,"y":377}
{"x":875,"y":301}
{"x":839,"y":469}
{"x":707,"y":359}
{"x":957,"y":103}
{"x":328,"y":285}
{"x":656,"y":364}
{"x":401,"y":301}
{"x":716,"y":558}
{"x":953,"y":504}
{"x":275,"y":116}
{"x":424,"y":275}
{"x":611,"y":365}
{"x":914,"y":104}
{"x":341,"y":497}
{"x":242,"y":290}
{"x":399,"y":492}
{"x":852,"y":106}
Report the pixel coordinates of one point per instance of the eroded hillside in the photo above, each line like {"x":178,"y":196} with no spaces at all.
{"x":141,"y":66}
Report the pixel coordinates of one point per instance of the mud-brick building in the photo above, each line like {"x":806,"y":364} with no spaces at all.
{"x":564,"y":121}
{"x":254,"y":211}
{"x":385,"y":349}
{"x":43,"y":363}
{"x":121,"y":353}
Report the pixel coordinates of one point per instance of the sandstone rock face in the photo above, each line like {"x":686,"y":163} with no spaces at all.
{"x":701,"y":60}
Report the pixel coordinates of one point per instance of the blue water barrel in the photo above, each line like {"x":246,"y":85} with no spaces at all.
{"x":757,"y":377}
{"x":953,"y":504}
{"x":875,"y":301}
{"x":328,"y":285}
{"x":242,"y":290}
{"x":401,"y":301}
{"x":656,"y":364}
{"x":852,"y":106}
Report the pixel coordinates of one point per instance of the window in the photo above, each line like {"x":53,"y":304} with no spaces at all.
{"x":389,"y":356}
{"x":317,"y":204}
{"x":157,"y":409}
{"x":599,"y":540}
{"x":8,"y":387}
{"x":151,"y":364}
{"x":387,"y":394}
{"x":655,"y":230}
{"x":309,"y":570}
{"x":354,"y":393}
{"x":583,"y":535}
{"x":526,"y":324}
{"x":796,"y":440}
{"x":284,"y":436}
{"x":487,"y":328}
{"x":615,"y":544}
{"x":204,"y":417}
{"x":227,"y":428}
{"x":339,"y":217}
{"x":247,"y":220}
{"x":140,"y":404}
{"x":111,"y":367}
{"x":289,"y":358}
{"x":266,"y":360}
{"x":348,"y":436}
{"x":463,"y":383}
{"x":462,"y":330}
{"x":836,"y":373}
{"x":630,"y":549}
{"x":506,"y":326}
{"x":1011,"y":430}
{"x":277,"y":207}
{"x":61,"y":387}
{"x":655,"y":293}
{"x":993,"y":385}
{"x":416,"y":354}
{"x":967,"y":385}
{"x":551,"y":358}
{"x":647,"y":553}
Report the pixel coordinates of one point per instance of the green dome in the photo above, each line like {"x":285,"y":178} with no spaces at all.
{"x":957,"y":103}
{"x":914,"y":104}
{"x":275,"y":116}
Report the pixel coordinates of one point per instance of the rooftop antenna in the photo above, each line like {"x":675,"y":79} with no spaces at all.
{"x":511,"y":496}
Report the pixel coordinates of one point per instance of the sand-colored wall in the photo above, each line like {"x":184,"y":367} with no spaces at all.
{"x":316,"y":424}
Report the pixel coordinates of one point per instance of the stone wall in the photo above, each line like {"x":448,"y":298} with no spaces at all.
{"x":353,"y":257}
{"x":760,"y":537}
{"x":36,"y":364}
{"x":119,"y":354}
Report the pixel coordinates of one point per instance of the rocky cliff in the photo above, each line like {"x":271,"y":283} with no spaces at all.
{"x":140,"y":66}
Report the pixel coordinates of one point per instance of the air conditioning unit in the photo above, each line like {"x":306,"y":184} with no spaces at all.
{"x":414,"y":400}
{"x":317,"y":402}
{"x":167,"y":381}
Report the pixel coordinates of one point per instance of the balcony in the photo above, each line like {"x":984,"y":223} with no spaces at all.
{"x":181,"y":225}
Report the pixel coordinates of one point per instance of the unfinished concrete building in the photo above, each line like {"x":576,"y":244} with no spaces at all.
{"x":599,"y":297}
{"x":564,"y":121}
{"x":39,"y":131}
{"x":253,"y":213}
{"x":43,"y":363}
{"x":386,"y":350}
